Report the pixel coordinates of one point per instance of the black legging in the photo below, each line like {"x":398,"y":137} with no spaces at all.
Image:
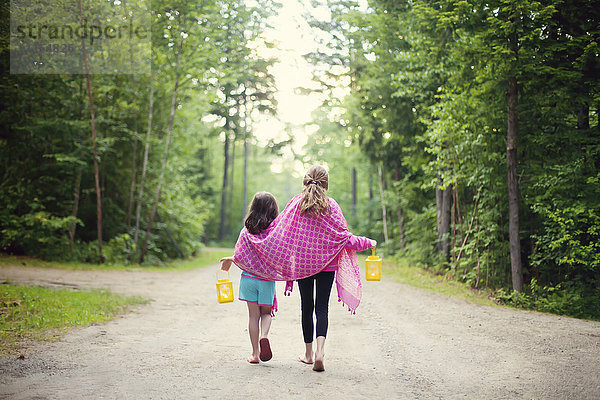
{"x":318,"y":304}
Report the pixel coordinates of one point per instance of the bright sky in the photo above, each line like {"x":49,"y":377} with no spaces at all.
{"x":293,"y":38}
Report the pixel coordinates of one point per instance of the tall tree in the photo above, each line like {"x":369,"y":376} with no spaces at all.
{"x":165,"y":155}
{"x":94,"y":143}
{"x":138,"y":210}
{"x":222,"y":225}
{"x":135,"y":125}
{"x":513,"y":191}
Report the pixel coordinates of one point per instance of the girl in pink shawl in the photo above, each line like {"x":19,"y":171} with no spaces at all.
{"x":316,"y":204}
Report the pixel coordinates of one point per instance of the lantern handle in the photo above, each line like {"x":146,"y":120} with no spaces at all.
{"x":373,"y":250}
{"x":223,"y":271}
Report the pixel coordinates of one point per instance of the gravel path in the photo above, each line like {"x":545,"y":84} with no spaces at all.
{"x":403,"y":343}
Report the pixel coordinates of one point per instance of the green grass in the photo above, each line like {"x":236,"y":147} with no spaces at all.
{"x":34,"y":313}
{"x":208,"y":256}
{"x":420,"y":278}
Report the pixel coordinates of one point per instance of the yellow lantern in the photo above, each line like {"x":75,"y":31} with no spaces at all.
{"x":224,"y":289}
{"x":373,"y":267}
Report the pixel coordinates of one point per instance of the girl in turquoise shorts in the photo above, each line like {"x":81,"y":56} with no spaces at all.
{"x":256,"y":292}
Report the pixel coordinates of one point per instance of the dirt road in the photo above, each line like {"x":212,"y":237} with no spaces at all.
{"x":403,"y":343}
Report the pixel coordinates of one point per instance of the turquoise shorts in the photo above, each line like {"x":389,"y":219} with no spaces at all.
{"x":253,"y":290}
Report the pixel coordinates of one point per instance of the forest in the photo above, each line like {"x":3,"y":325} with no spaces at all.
{"x":466,"y":139}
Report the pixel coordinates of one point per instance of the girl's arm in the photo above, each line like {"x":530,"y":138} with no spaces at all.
{"x":360,"y":243}
{"x":226,"y":263}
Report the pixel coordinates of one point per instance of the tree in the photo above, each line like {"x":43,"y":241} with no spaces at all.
{"x":138,"y":209}
{"x":94,"y":144}
{"x":166,"y":153}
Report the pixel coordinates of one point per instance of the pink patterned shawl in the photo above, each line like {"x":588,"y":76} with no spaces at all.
{"x":297,"y":246}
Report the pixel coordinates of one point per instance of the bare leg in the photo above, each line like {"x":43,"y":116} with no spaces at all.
{"x":307,"y":358}
{"x":253,"y":330}
{"x":265,"y":321}
{"x":319,"y":354}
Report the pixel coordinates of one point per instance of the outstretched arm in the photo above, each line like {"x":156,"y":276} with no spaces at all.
{"x":360,"y":243}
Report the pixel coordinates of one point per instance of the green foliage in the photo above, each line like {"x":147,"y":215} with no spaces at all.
{"x":420,"y":249}
{"x":48,"y":197}
{"x":428,"y":102}
{"x":119,"y":249}
{"x":86,"y":252}
{"x":570,"y":298}
{"x":38,"y":233}
{"x":571,"y":239}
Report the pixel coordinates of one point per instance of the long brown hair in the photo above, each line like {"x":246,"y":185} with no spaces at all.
{"x":314,"y":196}
{"x":263,"y":210}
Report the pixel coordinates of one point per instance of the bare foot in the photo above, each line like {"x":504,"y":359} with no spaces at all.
{"x":253,"y":359}
{"x":319,"y":366}
{"x":305,"y":360}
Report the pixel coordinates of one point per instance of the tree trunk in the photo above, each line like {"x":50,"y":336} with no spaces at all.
{"x":383,"y":211}
{"x":103,"y":177}
{"x":443,"y":244}
{"x":453,"y":220}
{"x":133,"y":169}
{"x":354,"y":192}
{"x":165,"y":156}
{"x":439,"y":196}
{"x":477,"y":251}
{"x":135,"y":132}
{"x":79,"y":173}
{"x":224,"y":187}
{"x":370,"y":197}
{"x":76,"y":196}
{"x":583,"y":116}
{"x":513,"y":199}
{"x":487,"y":267}
{"x":94,"y":144}
{"x":245,"y":194}
{"x":231,"y":178}
{"x":138,"y":210}
{"x":399,"y":212}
